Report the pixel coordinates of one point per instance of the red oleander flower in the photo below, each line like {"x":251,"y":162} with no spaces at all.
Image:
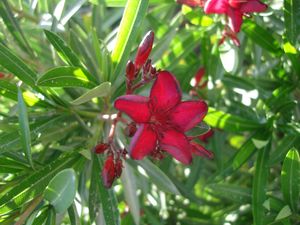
{"x":234,"y":9}
{"x":163,"y":119}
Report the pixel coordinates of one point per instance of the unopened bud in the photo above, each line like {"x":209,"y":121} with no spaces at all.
{"x":144,"y":50}
{"x":108,"y":172}
{"x":118,"y":168}
{"x":130,"y":129}
{"x":130,"y":70}
{"x":101,"y":148}
{"x":199,"y":75}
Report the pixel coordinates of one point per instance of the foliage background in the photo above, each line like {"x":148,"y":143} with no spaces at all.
{"x":253,"y":94}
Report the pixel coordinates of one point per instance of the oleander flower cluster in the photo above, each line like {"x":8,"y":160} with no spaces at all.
{"x":158,"y":123}
{"x":234,"y":11}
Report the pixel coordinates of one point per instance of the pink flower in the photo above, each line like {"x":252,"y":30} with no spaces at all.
{"x":234,"y":9}
{"x":162,"y":119}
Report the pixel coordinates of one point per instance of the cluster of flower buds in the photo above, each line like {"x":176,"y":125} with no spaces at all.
{"x":141,"y":63}
{"x":113,"y":164}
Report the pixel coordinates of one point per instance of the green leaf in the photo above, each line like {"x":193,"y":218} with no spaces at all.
{"x":261,"y":36}
{"x":291,"y":19}
{"x":134,"y":13}
{"x":158,"y":177}
{"x":284,"y":213}
{"x":8,"y":90}
{"x":290,"y":178}
{"x":229,"y":122}
{"x":281,"y":150}
{"x":66,"y":77}
{"x":33,"y":185}
{"x":62,"y":49}
{"x":107,"y":196}
{"x":102,"y":90}
{"x":260,"y":185}
{"x":13,"y":26}
{"x":16,"y":66}
{"x":24,"y":127}
{"x":61,"y":190}
{"x":74,"y":218}
{"x":234,"y":193}
{"x":130,"y":190}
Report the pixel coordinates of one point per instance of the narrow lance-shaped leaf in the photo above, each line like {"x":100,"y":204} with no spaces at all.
{"x":291,"y":19}
{"x":158,"y":177}
{"x":260,"y":185}
{"x":24,"y":127}
{"x":100,"y":91}
{"x":16,"y":66}
{"x":13,"y":26}
{"x":228,"y":122}
{"x":290,"y":178}
{"x":261,"y":36}
{"x":133,"y":15}
{"x":66,"y":77}
{"x":64,"y":51}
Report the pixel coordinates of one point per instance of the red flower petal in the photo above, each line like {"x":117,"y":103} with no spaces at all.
{"x":177,"y":145}
{"x":253,"y":6}
{"x":216,"y":6}
{"x":188,"y":114}
{"x":143,"y":142}
{"x":134,"y":106}
{"x":235,"y":19}
{"x":192,"y":3}
{"x":201,"y":151}
{"x":165,"y":92}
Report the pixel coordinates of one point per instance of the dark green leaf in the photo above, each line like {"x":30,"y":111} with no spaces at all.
{"x":16,"y":66}
{"x":261,"y":36}
{"x":260,"y":185}
{"x":291,"y":19}
{"x":290,"y":174}
{"x":64,"y":51}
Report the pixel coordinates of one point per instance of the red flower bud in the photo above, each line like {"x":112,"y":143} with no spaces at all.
{"x":144,"y":50}
{"x":108,"y":172}
{"x":199,"y":75}
{"x":100,"y":148}
{"x":118,"y":168}
{"x":130,"y":70}
{"x":2,"y":75}
{"x":130,"y":129}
